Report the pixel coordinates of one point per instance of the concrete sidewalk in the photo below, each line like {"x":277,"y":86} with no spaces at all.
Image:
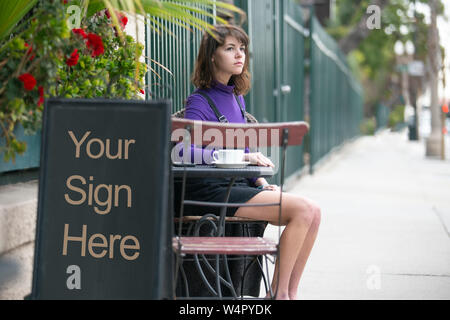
{"x":385,"y":222}
{"x":384,"y":233}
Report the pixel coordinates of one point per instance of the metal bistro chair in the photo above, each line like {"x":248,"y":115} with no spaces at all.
{"x":276,"y":134}
{"x":195,"y":222}
{"x":239,"y":226}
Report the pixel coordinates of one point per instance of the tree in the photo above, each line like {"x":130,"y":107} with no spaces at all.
{"x":433,"y":147}
{"x":371,"y":51}
{"x":360,"y":31}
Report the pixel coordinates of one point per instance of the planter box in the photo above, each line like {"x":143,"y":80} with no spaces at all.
{"x":28,"y":160}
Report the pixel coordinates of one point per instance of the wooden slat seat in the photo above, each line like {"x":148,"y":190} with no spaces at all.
{"x":224,"y":245}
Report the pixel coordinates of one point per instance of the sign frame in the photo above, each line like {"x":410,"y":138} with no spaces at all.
{"x":159,"y":279}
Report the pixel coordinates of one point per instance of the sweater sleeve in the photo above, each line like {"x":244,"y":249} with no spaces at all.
{"x":197,"y":108}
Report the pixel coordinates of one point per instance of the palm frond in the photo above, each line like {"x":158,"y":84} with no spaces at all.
{"x":188,"y":14}
{"x":182,"y":12}
{"x":10,"y":14}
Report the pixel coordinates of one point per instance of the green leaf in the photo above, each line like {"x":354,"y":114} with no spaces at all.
{"x":11,"y":12}
{"x":14,"y":89}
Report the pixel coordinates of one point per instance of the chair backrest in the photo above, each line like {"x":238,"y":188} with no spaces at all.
{"x":237,"y":135}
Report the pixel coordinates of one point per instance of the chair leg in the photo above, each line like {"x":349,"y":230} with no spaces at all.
{"x":244,"y":274}
{"x":227,"y":274}
{"x":219,"y":280}
{"x":272,"y":296}
{"x":179,"y":269}
{"x":267,"y":284}
{"x":202,"y":274}
{"x":186,"y":285}
{"x":219,"y":290}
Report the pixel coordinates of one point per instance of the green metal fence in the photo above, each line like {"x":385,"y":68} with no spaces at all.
{"x":381,"y":116}
{"x":278,"y":38}
{"x":277,"y":53}
{"x":290,"y":87}
{"x":260,"y":27}
{"x":173,"y":50}
{"x":336,"y":98}
{"x":277,"y":34}
{"x":30,"y":159}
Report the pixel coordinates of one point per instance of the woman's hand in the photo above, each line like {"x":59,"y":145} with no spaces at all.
{"x":259,"y":159}
{"x":261,"y":183}
{"x":271,"y":187}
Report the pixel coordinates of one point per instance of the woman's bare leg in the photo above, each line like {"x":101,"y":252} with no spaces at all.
{"x":297,"y":215}
{"x":303,"y":256}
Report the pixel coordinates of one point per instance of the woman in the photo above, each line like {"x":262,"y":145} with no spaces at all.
{"x":221,"y":77}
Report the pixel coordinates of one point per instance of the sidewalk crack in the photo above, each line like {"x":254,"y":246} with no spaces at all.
{"x":441,"y":220}
{"x":418,"y":275}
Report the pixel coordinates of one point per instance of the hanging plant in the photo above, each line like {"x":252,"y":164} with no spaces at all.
{"x":42,"y":57}
{"x":45,"y":58}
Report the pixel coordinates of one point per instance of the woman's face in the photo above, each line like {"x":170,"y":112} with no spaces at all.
{"x":229,"y":59}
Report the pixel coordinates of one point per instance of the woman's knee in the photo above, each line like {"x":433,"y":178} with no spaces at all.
{"x":317,"y":215}
{"x":305,"y":212}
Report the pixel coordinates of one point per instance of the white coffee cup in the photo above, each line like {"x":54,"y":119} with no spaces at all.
{"x":229,"y":155}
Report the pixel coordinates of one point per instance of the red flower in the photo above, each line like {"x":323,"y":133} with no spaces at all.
{"x":141,"y":91}
{"x":29,"y":51}
{"x":41,"y":95}
{"x":123,"y":20}
{"x":95,"y":44}
{"x":80,"y":32}
{"x":73,"y":60}
{"x":28,"y":81}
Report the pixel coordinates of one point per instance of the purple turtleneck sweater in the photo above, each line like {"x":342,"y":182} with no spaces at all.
{"x":198,"y":108}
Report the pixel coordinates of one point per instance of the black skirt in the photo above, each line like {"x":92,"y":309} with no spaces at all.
{"x":212,"y":190}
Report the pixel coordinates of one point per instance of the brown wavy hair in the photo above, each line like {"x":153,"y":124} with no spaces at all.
{"x":203,"y":71}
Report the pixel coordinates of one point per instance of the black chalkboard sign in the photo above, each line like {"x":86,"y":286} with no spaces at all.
{"x":103,"y":228}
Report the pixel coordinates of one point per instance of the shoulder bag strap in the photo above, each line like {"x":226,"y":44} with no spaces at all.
{"x":240,"y":106}
{"x":219,"y":116}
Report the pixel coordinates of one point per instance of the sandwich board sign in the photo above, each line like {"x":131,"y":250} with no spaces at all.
{"x":103,"y":228}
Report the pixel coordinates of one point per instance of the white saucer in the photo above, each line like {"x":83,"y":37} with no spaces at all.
{"x":237,"y":165}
